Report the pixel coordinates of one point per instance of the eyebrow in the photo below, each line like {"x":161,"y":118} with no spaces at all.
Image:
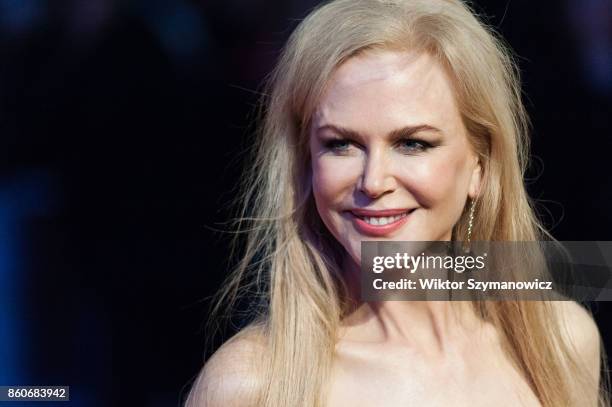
{"x":402,"y":132}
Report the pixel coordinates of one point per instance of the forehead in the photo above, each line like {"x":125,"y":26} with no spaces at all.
{"x":378,"y":91}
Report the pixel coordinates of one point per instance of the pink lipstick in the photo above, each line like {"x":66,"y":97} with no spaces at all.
{"x":380,"y":222}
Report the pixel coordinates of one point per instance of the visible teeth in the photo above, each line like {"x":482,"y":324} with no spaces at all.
{"x":383,"y":220}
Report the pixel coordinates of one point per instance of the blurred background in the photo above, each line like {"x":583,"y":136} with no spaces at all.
{"x":122,"y":127}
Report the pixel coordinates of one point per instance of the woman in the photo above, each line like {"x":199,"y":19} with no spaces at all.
{"x":390,"y":120}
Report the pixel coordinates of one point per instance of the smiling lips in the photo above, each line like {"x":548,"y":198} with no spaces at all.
{"x":379,"y":223}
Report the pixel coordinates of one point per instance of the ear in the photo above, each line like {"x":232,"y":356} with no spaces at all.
{"x":475,"y":180}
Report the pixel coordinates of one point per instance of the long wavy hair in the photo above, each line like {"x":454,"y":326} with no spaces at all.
{"x":289,"y":265}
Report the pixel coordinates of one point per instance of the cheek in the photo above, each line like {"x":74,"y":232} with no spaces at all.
{"x":333,"y":179}
{"x":436,"y":180}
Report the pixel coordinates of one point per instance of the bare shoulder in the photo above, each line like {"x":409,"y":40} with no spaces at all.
{"x":581,"y":332}
{"x":229,"y":378}
{"x":579,"y":326}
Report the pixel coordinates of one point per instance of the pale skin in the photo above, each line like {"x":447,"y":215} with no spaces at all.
{"x":403,"y":353}
{"x":398,"y":353}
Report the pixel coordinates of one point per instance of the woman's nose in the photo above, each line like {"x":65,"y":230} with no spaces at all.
{"x":376,"y":179}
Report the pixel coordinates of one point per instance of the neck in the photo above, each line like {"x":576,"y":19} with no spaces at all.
{"x":424,"y":324}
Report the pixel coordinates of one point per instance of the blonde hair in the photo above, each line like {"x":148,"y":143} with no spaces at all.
{"x":290,"y":263}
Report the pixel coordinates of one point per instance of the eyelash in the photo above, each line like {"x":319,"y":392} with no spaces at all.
{"x":340,"y":145}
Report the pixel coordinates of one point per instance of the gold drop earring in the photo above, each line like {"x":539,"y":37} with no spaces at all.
{"x":470,"y":225}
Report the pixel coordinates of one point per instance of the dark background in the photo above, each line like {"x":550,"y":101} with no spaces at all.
{"x":121,"y":130}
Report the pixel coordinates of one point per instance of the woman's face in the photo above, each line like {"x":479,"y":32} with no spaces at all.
{"x":390,"y":155}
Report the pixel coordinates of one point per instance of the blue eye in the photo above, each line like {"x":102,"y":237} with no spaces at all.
{"x":406,"y":146}
{"x":337,"y":145}
{"x":413,"y":145}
